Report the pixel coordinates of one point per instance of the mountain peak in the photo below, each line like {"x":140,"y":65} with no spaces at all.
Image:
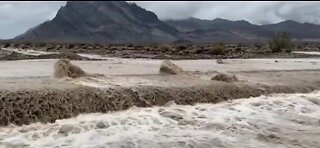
{"x":102,"y":21}
{"x":96,"y":2}
{"x":220,"y":20}
{"x":244,"y":21}
{"x":289,"y":22}
{"x":193,"y":18}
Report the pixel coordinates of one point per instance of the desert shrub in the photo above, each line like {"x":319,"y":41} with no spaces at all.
{"x":280,"y":42}
{"x":70,"y":46}
{"x":198,"y":50}
{"x":241,"y":45}
{"x":238,"y":49}
{"x":181,"y":47}
{"x":28,"y":43}
{"x":288,"y":50}
{"x":50,"y":48}
{"x":300,"y":47}
{"x":130,"y":45}
{"x":6,"y":45}
{"x":164,"y":47}
{"x":218,"y":49}
{"x":257,"y":45}
{"x":42,"y":44}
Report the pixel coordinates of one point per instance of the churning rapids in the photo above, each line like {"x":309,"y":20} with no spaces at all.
{"x":282,"y":120}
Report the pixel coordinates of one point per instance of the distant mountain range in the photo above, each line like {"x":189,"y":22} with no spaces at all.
{"x":119,"y":21}
{"x":226,"y":30}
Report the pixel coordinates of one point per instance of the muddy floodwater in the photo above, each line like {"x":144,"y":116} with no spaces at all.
{"x":279,"y":121}
{"x":119,"y":66}
{"x":268,"y":121}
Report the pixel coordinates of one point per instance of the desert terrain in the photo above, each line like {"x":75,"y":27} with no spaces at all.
{"x":138,"y":74}
{"x":176,"y":51}
{"x":135,"y":105}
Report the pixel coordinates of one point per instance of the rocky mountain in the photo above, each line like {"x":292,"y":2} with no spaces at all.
{"x":299,"y":31}
{"x":119,"y":21}
{"x":218,"y":30}
{"x":226,"y":30}
{"x":102,"y":21}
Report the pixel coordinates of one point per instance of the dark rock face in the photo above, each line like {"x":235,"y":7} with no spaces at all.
{"x":105,"y":21}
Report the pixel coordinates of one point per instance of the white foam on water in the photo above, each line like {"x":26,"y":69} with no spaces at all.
{"x":29,"y":51}
{"x":308,"y":52}
{"x":94,"y":56}
{"x":278,"y":121}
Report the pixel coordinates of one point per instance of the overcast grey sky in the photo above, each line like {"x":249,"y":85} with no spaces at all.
{"x":17,"y":17}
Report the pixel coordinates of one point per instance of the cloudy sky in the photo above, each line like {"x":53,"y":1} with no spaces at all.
{"x":17,"y":17}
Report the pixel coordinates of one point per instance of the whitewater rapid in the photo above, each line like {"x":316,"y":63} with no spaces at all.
{"x":278,"y":121}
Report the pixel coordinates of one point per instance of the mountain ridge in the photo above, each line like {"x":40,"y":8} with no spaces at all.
{"x":111,"y":21}
{"x":119,"y":22}
{"x":246,"y":30}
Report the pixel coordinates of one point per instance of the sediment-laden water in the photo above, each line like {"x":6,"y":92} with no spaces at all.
{"x":283,"y":120}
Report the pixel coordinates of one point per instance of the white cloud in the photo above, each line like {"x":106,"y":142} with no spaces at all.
{"x":17,"y":17}
{"x":254,"y":12}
